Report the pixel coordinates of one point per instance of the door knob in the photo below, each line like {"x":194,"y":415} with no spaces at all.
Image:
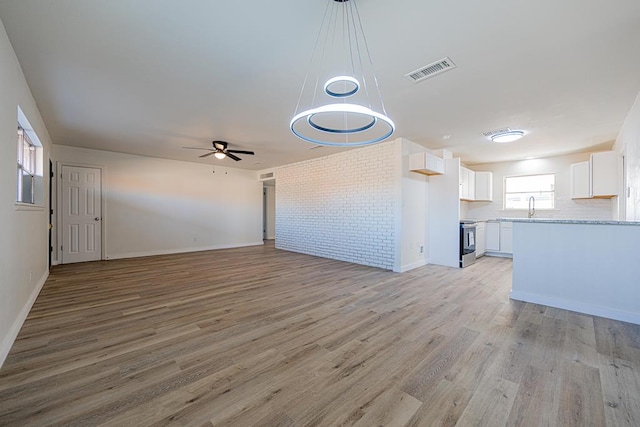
{"x":97,"y":218}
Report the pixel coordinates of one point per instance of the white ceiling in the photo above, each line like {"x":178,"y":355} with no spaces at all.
{"x":151,"y":76}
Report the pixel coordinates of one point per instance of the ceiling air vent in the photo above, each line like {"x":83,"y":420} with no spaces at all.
{"x":490,"y":133}
{"x":431,"y":70}
{"x":267,"y":175}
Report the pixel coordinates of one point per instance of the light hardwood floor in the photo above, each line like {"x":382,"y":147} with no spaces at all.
{"x":259,"y":336}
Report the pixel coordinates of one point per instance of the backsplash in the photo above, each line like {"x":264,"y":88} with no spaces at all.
{"x":565,"y":206}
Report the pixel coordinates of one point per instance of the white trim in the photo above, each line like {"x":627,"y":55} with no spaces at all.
{"x":411,"y":266}
{"x":594,"y":310}
{"x":11,"y":336}
{"x":180,"y":250}
{"x":498,"y":254}
{"x":103,"y":206}
{"x":28,"y":207}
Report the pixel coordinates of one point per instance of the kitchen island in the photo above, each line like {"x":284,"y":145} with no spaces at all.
{"x":591,"y":267}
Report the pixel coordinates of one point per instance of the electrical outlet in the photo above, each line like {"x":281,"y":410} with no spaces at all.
{"x":421,"y":249}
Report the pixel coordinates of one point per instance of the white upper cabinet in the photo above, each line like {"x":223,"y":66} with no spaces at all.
{"x":604,"y":174}
{"x":467,"y":184}
{"x":476,"y":186}
{"x":484,"y":186}
{"x":581,"y":180}
{"x":597,"y":177}
{"x":426,"y":164}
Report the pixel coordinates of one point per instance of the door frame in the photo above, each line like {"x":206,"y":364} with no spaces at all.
{"x":50,"y":209}
{"x":103,"y":228}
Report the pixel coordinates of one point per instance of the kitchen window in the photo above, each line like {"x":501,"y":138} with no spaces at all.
{"x":518,"y":190}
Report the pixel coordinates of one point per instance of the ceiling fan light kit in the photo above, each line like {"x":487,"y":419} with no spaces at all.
{"x":220,"y":151}
{"x":354,"y":113}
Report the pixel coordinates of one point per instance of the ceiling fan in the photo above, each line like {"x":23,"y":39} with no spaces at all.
{"x":220,"y":151}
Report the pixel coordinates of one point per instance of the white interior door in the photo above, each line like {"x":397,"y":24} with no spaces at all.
{"x":81,"y":214}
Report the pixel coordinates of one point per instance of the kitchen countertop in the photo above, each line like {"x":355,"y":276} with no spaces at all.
{"x":569,"y":221}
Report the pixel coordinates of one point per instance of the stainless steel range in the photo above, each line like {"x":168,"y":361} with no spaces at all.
{"x":467,"y":243}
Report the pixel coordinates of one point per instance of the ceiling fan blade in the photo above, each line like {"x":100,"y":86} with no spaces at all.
{"x":198,"y":148}
{"x":207,"y":154}
{"x":231,"y":156}
{"x":241,"y":152}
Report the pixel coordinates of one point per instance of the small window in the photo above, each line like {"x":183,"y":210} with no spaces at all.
{"x":30,"y":168}
{"x":518,"y":190}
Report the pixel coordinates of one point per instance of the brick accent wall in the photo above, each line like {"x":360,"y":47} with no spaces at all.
{"x":342,"y":206}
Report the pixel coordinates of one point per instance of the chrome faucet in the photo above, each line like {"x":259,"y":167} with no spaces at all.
{"x":532,"y":207}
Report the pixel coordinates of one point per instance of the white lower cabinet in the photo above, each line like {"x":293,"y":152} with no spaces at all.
{"x":499,"y":238}
{"x":493,"y":236}
{"x":506,"y":237}
{"x":481,"y":238}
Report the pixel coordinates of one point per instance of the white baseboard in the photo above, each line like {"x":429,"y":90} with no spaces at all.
{"x":9,"y":339}
{"x":407,"y":267}
{"x":498,"y":254}
{"x":579,"y":307}
{"x":181,"y":250}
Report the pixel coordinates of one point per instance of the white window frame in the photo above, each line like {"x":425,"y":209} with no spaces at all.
{"x":26,"y":167}
{"x":30,"y":162}
{"x":535,"y":192}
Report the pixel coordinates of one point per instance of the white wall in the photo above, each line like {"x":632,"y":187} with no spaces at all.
{"x":444,"y":216}
{"x":345,"y":206}
{"x":415,"y":192}
{"x":270,"y":211}
{"x":23,"y":233}
{"x":628,"y":142}
{"x":552,"y":267}
{"x":156,"y":206}
{"x":566,"y":208}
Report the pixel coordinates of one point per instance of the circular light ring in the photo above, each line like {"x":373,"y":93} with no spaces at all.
{"x":376,"y":119}
{"x":368,"y":126}
{"x":341,"y":79}
{"x":505,"y":137}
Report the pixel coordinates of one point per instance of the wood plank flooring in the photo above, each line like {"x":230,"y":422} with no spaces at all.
{"x":262,"y":337}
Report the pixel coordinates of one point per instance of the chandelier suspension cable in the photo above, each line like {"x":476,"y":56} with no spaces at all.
{"x":366,"y":48}
{"x":315,"y":48}
{"x":345,"y":122}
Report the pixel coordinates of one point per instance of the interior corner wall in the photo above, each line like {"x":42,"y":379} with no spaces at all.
{"x":415,"y":186}
{"x":157,"y":206}
{"x":628,"y":142}
{"x":344,"y":206}
{"x":270,"y":212}
{"x":23,"y":232}
{"x":444,"y":216}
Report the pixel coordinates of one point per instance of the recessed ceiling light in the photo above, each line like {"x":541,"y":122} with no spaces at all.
{"x":510,"y":136}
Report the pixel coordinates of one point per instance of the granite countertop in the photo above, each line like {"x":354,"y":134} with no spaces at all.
{"x":569,"y":221}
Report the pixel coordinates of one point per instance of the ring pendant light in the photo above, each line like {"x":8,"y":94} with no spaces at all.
{"x":348,"y":111}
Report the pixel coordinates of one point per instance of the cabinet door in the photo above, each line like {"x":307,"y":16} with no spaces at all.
{"x":481,"y":238}
{"x":467,"y":184}
{"x":506,"y":237}
{"x":493,"y":236}
{"x":484,"y":186}
{"x":604,"y":174}
{"x":580,"y":180}
{"x":471,"y":177}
